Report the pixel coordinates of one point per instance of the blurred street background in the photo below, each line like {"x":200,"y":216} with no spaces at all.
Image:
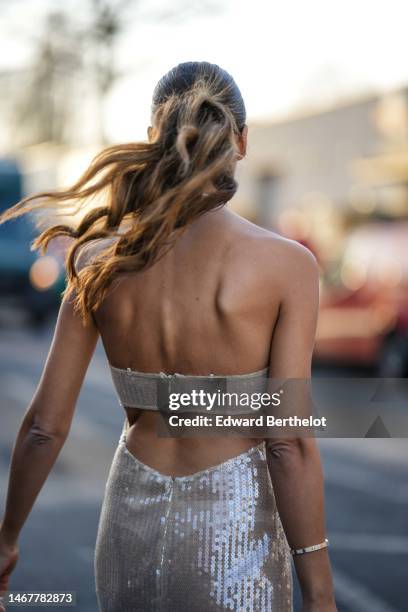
{"x":326,"y":90}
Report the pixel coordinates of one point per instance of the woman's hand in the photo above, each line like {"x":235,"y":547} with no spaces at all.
{"x":8,"y":560}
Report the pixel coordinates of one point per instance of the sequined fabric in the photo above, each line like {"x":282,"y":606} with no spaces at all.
{"x":209,"y":541}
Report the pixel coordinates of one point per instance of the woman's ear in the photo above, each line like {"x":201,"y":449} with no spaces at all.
{"x":242,"y":142}
{"x":150,"y":132}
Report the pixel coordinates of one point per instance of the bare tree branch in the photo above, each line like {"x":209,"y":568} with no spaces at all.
{"x":73,"y":48}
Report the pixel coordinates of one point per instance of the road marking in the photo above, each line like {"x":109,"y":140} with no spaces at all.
{"x":375,"y":451}
{"x":358,"y":478}
{"x":366,"y":542}
{"x":357,"y":596}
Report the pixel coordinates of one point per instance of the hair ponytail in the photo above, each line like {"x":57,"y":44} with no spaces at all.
{"x":151,"y":190}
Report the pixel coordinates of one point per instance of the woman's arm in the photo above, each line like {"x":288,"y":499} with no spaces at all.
{"x":294,"y":462}
{"x":47,"y":421}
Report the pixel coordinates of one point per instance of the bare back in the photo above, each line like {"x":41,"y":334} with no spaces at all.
{"x":209,"y":305}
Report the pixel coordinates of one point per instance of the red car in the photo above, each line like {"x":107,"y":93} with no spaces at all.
{"x":364,"y":318}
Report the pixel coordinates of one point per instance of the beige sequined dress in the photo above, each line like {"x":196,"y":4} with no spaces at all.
{"x":210,"y":541}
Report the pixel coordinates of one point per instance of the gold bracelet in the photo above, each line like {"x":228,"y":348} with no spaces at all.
{"x":307,"y":549}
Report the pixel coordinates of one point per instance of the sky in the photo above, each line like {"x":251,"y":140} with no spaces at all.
{"x":285,"y":56}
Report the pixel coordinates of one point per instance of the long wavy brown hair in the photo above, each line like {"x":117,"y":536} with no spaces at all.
{"x":151,"y":190}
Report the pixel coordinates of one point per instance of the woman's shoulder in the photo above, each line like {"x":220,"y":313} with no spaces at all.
{"x":267,"y":248}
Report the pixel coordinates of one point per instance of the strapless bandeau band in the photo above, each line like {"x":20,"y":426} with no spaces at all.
{"x":150,"y":391}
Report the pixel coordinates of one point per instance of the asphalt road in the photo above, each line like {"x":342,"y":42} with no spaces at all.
{"x":366,"y":492}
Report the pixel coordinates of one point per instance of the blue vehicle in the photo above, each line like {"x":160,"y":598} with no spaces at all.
{"x":27,"y":279}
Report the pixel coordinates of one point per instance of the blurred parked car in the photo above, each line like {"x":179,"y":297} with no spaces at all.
{"x":27,"y":279}
{"x":364,"y":318}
